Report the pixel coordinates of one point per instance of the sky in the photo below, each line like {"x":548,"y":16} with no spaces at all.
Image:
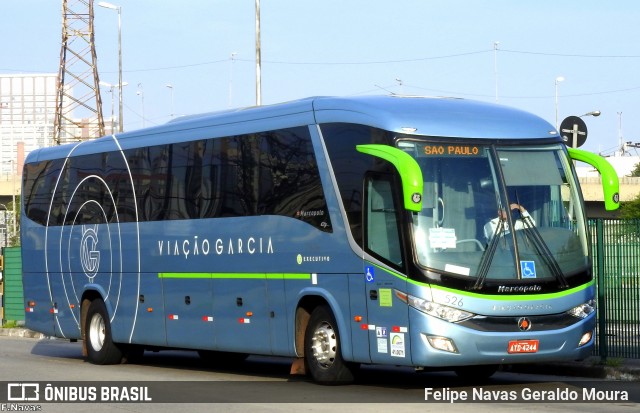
{"x":205,"y":51}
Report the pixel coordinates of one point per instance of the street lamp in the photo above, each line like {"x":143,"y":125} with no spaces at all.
{"x":495,"y":65}
{"x":170,"y":86}
{"x":119,"y":10}
{"x":111,"y":89}
{"x":594,"y":113}
{"x":400,"y":84}
{"x":233,"y":59}
{"x":140,"y":93}
{"x":258,"y":57}
{"x":558,"y":80}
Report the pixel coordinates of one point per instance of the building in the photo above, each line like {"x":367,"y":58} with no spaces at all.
{"x":27,"y":112}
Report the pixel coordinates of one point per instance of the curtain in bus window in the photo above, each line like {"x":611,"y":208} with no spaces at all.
{"x":538,"y":195}
{"x":519,"y":167}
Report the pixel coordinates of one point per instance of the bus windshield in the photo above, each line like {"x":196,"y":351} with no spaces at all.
{"x":498,"y":212}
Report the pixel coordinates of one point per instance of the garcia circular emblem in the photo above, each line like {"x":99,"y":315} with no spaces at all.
{"x":89,"y":254}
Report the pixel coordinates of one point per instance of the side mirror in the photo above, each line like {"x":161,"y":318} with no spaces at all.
{"x":407,"y":167}
{"x":610,"y":184}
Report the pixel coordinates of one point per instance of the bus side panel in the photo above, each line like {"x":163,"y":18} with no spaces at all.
{"x":150,"y":321}
{"x":189,"y":312}
{"x":38,"y":317}
{"x":64,"y":283}
{"x":388,"y":318}
{"x":358,"y":304}
{"x":280,"y":327}
{"x":240,"y":311}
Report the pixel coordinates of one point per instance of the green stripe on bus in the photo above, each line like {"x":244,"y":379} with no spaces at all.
{"x":506,"y":297}
{"x":518,"y":297}
{"x":235,"y":275}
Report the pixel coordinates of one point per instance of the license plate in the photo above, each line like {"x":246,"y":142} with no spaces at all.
{"x":523,"y":346}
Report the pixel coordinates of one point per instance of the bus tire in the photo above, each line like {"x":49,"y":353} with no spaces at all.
{"x":100,"y":347}
{"x":322,"y":349}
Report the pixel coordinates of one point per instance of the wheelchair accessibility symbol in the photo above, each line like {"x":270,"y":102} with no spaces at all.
{"x":368,"y":275}
{"x":528,"y":269}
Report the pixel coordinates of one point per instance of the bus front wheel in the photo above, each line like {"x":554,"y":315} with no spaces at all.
{"x":322,"y":349}
{"x":100,"y":347}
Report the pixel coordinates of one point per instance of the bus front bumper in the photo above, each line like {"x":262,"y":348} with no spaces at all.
{"x":447,"y":344}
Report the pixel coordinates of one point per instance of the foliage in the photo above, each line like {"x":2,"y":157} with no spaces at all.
{"x":10,"y":324}
{"x":14,"y":239}
{"x":631,"y":209}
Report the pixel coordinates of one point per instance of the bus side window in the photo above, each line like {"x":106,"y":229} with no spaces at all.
{"x":382,"y":236}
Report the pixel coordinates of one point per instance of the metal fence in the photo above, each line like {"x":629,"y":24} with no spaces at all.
{"x":12,"y":295}
{"x":616,"y":255}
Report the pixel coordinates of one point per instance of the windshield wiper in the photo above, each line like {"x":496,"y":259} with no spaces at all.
{"x":487,"y":257}
{"x":543,"y":250}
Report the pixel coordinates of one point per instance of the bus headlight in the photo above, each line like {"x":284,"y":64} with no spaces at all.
{"x":442,"y":343}
{"x":443,"y":312}
{"x":583,"y":310}
{"x":586,"y":337}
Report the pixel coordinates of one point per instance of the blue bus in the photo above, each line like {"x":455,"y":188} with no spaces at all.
{"x":423,"y":232}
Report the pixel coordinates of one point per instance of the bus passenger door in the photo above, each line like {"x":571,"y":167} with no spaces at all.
{"x":388,"y":316}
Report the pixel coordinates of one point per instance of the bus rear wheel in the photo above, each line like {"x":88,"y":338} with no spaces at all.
{"x":100,"y":347}
{"x":322,"y":349}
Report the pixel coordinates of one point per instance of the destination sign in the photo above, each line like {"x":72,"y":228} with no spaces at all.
{"x":452,"y":150}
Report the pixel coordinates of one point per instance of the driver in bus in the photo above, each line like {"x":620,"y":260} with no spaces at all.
{"x":490,"y":227}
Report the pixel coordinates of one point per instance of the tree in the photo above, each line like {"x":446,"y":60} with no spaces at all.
{"x":631,"y":209}
{"x":14,"y":240}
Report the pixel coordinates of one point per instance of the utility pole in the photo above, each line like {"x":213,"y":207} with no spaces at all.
{"x":258,"y":57}
{"x":78,"y":82}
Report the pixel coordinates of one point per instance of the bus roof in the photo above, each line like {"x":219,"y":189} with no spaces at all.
{"x":446,"y":117}
{"x":424,"y":116}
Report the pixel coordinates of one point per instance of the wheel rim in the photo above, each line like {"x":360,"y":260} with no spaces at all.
{"x":96,"y":332}
{"x":324,"y":344}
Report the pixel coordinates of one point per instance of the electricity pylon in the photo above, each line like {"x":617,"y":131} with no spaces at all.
{"x":78,"y":103}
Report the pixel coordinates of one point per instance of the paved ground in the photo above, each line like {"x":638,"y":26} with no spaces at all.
{"x":612,"y":369}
